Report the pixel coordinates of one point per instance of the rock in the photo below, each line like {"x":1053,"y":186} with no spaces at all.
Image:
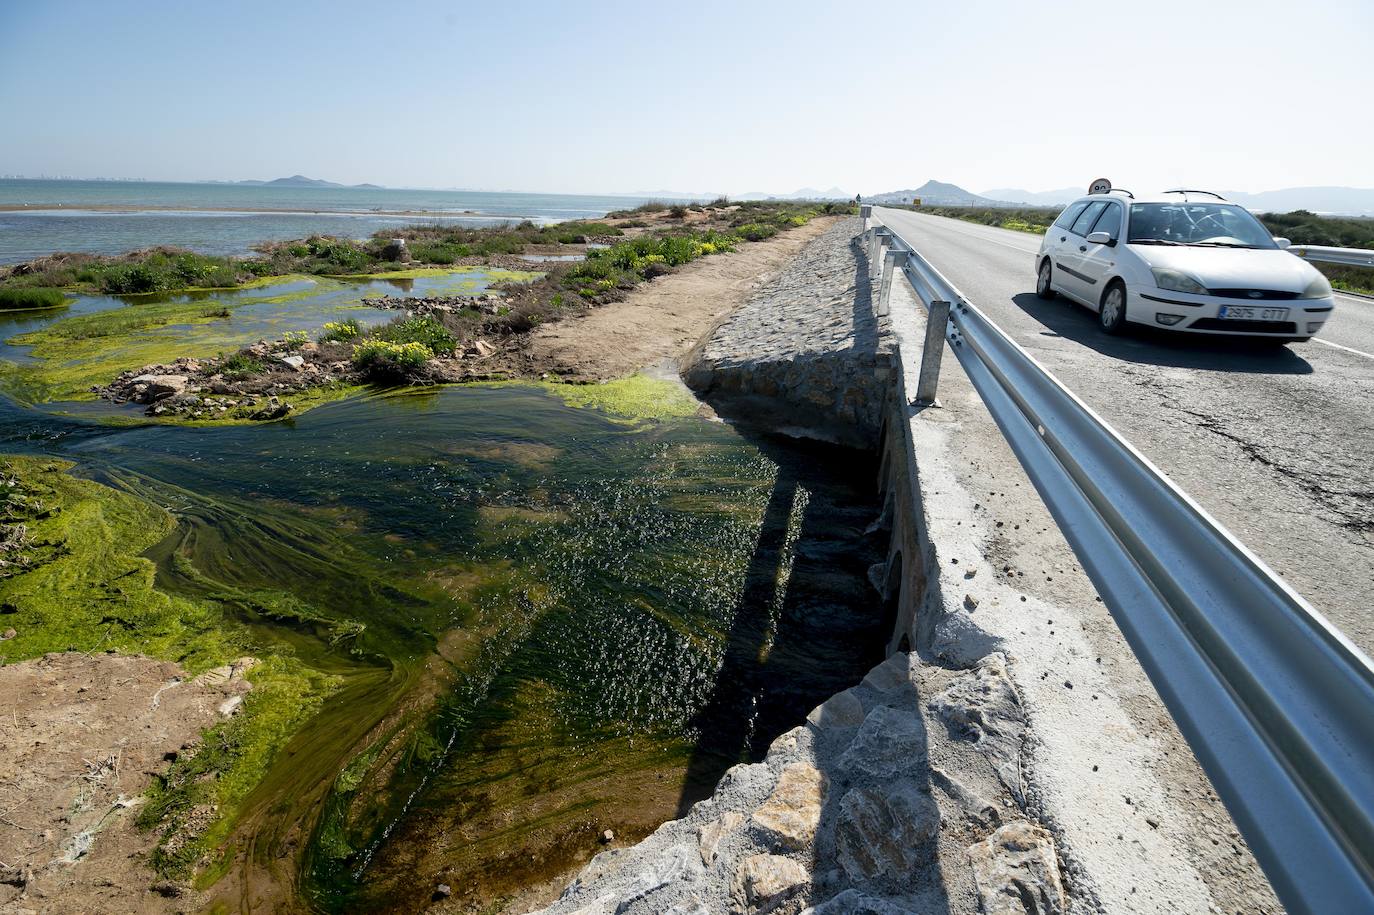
{"x":982,"y":706}
{"x":482,"y":349}
{"x":676,"y":864}
{"x":890,"y":673}
{"x":793,"y":810}
{"x":961,"y":641}
{"x":272,"y":411}
{"x":711,"y":834}
{"x":156,"y":387}
{"x":890,"y":741}
{"x":230,"y":706}
{"x":763,"y":882}
{"x":607,"y":837}
{"x":880,"y":830}
{"x":294,"y":362}
{"x":842,"y":710}
{"x":853,"y":902}
{"x":7,"y":635}
{"x":1017,"y":872}
{"x":443,"y":891}
{"x":978,"y":808}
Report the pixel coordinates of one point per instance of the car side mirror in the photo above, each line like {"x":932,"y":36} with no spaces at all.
{"x":1100,"y":238}
{"x":1282,"y":242}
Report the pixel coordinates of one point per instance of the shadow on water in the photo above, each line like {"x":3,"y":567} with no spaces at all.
{"x":1147,"y":346}
{"x":806,"y":623}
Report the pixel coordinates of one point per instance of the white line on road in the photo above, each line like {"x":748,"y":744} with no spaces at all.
{"x":995,"y":241}
{"x":1346,"y":348}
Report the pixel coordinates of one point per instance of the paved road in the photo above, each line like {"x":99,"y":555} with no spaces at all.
{"x":1277,"y":444}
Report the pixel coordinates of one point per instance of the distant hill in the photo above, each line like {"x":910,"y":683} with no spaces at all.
{"x":1343,"y":201}
{"x":1036,"y":198}
{"x":297,"y":181}
{"x":935,"y":193}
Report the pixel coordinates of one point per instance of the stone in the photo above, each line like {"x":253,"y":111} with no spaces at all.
{"x":482,"y":349}
{"x":853,"y":902}
{"x":443,"y":891}
{"x":607,"y":837}
{"x":156,"y":387}
{"x":763,"y":882}
{"x":711,"y":834}
{"x":793,"y":810}
{"x":976,"y":807}
{"x":890,"y":742}
{"x":842,"y":710}
{"x":960,"y":641}
{"x":982,"y":706}
{"x":890,"y":673}
{"x":7,"y":635}
{"x":1016,"y":871}
{"x":294,"y":362}
{"x":880,"y":830}
{"x":675,"y":864}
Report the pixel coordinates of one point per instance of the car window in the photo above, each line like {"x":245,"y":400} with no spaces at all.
{"x":1219,"y":225}
{"x":1109,"y":221}
{"x":1088,"y":217}
{"x":1070,"y":213}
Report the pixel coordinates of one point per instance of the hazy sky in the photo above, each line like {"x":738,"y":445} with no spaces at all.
{"x":696,"y":96}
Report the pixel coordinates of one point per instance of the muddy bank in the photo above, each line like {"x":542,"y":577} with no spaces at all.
{"x":81,"y":735}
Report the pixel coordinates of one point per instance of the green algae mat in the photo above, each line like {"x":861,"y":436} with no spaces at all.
{"x":494,"y":620}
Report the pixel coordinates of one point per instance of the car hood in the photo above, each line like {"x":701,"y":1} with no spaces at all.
{"x":1233,"y":268}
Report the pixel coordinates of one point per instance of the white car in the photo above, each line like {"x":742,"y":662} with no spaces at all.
{"x":1184,"y":260}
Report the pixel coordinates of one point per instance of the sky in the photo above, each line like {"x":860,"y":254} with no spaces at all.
{"x":706,"y":96}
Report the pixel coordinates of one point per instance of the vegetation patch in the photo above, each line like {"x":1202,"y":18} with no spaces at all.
{"x":26,"y":297}
{"x":636,"y":397}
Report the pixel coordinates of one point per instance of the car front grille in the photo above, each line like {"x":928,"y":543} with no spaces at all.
{"x":1245,"y":327}
{"x":1257,"y":294}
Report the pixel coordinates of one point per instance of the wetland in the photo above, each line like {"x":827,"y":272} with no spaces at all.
{"x":491,"y":621}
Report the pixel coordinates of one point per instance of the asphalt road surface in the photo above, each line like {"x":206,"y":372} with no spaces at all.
{"x":1277,"y":443}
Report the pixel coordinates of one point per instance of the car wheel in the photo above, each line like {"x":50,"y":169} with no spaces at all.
{"x":1042,"y":281}
{"x":1111,"y":312}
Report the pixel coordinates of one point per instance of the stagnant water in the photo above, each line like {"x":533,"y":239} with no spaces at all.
{"x":568,"y":621}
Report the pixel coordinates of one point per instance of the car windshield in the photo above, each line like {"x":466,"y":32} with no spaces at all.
{"x":1217,"y":225}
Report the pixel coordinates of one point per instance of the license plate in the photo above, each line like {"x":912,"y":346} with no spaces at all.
{"x":1252,"y":313}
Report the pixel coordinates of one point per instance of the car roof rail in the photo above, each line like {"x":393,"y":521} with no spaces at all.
{"x":1193,"y":190}
{"x":1121,"y":190}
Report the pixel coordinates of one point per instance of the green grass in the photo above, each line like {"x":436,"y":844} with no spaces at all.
{"x":30,"y":297}
{"x":77,"y":582}
{"x":1033,"y":220}
{"x":427,"y":332}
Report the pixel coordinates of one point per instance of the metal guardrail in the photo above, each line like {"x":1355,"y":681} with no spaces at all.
{"x":1356,"y":257}
{"x":1276,"y":703}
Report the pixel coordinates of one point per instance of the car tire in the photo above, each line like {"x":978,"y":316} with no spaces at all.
{"x":1043,"y":289}
{"x":1111,"y":310}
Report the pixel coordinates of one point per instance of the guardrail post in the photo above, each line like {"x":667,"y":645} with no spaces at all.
{"x":875,"y":253}
{"x":865,"y":212}
{"x":937,"y":319}
{"x":892,"y":265}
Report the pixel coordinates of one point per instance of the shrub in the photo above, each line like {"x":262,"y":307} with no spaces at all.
{"x":426,"y":332}
{"x":240,"y":366}
{"x":756,"y":231}
{"x":294,"y":339}
{"x":438,"y":252}
{"x":31,"y":297}
{"x":341,"y":331}
{"x":678,"y":211}
{"x":383,"y":359}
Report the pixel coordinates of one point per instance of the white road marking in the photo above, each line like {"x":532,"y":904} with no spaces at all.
{"x":1346,"y":348}
{"x":993,"y":240}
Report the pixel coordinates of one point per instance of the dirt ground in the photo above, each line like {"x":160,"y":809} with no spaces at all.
{"x":663,"y":319}
{"x":81,"y":737}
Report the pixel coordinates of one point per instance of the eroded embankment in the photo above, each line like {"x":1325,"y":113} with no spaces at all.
{"x":906,"y":792}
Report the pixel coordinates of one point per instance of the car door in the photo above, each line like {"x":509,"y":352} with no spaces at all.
{"x":1068,"y":259}
{"x":1058,"y":235}
{"x":1096,"y":262}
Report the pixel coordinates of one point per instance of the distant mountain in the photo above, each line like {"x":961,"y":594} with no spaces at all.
{"x":936,"y":193}
{"x":1036,"y":198}
{"x":296,"y":181}
{"x":1343,"y":201}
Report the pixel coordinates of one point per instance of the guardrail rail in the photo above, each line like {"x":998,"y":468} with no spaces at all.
{"x":1354,"y":257}
{"x":1276,"y":703}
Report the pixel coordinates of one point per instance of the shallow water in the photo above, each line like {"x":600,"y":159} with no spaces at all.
{"x":560,"y":621}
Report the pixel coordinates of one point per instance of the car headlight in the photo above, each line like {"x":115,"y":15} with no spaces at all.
{"x":1319,"y":288}
{"x":1177,"y":281}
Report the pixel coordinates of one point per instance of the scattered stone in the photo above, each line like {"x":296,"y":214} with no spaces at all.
{"x":1017,"y":872}
{"x":978,"y":809}
{"x":982,"y":706}
{"x":970,"y":603}
{"x":294,"y":362}
{"x":763,"y":882}
{"x":890,"y":741}
{"x":710,"y":835}
{"x":842,"y":710}
{"x":793,"y":810}
{"x":443,"y":891}
{"x":853,"y":902}
{"x":879,"y":832}
{"x":607,"y":837}
{"x":8,"y":634}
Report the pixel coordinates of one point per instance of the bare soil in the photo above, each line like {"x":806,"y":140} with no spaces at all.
{"x":658,"y":320}
{"x":81,"y":738}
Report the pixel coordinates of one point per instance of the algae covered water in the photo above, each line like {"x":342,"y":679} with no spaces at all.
{"x":540,"y":620}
